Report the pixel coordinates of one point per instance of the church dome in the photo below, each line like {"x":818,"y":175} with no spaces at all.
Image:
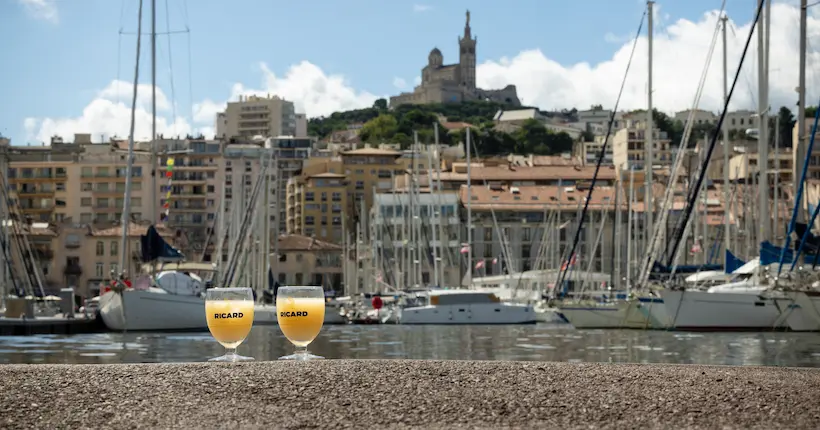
{"x":435,"y":58}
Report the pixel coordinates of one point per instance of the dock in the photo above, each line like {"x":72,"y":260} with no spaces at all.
{"x":50,"y":325}
{"x":407,"y":394}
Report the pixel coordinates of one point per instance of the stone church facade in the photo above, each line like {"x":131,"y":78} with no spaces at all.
{"x":454,"y":83}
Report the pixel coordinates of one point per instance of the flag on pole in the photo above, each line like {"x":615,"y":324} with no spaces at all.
{"x":465,"y":249}
{"x":572,"y":262}
{"x":480,"y":264}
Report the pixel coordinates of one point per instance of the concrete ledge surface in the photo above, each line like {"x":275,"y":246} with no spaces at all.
{"x":406,"y":393}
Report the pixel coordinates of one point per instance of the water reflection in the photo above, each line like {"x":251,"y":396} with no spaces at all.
{"x":538,"y":343}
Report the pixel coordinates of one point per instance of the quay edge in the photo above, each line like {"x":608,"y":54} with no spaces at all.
{"x":407,"y":394}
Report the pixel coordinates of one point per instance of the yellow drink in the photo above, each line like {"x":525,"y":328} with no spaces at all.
{"x":229,"y":321}
{"x":300,"y":319}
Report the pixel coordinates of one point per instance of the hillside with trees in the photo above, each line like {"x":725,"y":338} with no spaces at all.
{"x":381,"y":124}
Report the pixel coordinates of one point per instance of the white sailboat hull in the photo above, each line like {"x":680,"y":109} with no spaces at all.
{"x":624,"y":314}
{"x":474,"y":313}
{"x":152,"y":309}
{"x":704,"y":311}
{"x":800,"y":311}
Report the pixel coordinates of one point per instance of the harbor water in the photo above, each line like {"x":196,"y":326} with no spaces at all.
{"x":541,"y":342}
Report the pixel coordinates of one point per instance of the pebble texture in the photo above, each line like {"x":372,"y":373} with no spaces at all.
{"x":378,"y":394}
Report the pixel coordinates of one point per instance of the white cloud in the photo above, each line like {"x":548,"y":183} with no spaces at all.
{"x":399,"y":83}
{"x":680,"y":50}
{"x":419,"y":8}
{"x":110,"y":114}
{"x":45,"y":10}
{"x":680,"y":53}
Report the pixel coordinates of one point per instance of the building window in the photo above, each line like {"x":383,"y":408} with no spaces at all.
{"x":98,"y":270}
{"x":114,"y":248}
{"x":100,"y":248}
{"x":114,"y":269}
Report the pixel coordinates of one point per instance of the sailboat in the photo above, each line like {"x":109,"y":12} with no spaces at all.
{"x":172,"y":299}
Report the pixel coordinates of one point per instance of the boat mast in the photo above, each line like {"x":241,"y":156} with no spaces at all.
{"x":467,"y":146}
{"x":154,"y":212}
{"x":800,"y":145}
{"x":649,"y":206}
{"x":763,"y":135}
{"x":126,"y":210}
{"x":727,"y":222}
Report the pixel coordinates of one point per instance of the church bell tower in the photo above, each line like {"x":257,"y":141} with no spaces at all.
{"x":466,"y":59}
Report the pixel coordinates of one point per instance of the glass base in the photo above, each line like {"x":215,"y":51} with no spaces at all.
{"x":232,"y":358}
{"x":302,"y":356}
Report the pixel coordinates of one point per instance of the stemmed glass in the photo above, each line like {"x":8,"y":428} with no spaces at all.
{"x":300,"y":311}
{"x":229,"y":312}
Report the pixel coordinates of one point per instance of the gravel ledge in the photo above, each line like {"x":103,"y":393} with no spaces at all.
{"x":406,"y":393}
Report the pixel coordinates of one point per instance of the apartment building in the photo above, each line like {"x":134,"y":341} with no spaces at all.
{"x":242,"y":164}
{"x":318,"y":205}
{"x":700,"y":116}
{"x":483,"y":175}
{"x":629,"y":147}
{"x":81,"y":256}
{"x":267,"y":116}
{"x":410,"y":232}
{"x":79,"y":181}
{"x":588,"y":152}
{"x":190,"y":196}
{"x":303,"y":260}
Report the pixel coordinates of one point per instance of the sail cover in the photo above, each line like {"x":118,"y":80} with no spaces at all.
{"x":155,"y":248}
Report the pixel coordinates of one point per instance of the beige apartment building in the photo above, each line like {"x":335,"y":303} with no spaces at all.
{"x":79,"y":182}
{"x":190,"y":211}
{"x":252,"y":116}
{"x":82,"y":256}
{"x":629,"y":147}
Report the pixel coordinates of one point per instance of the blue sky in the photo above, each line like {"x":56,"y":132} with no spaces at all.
{"x":64,"y":53}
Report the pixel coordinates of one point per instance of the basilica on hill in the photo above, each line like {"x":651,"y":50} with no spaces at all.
{"x":454,"y":83}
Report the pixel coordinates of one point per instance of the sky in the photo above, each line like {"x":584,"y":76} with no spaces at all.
{"x":69,"y":66}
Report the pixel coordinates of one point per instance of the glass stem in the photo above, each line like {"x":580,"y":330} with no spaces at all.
{"x":230,"y":351}
{"x":302,"y":350}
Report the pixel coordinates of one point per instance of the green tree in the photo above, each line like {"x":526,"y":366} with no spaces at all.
{"x":380,"y":129}
{"x":787,"y":121}
{"x":380,"y":104}
{"x":810,"y":111}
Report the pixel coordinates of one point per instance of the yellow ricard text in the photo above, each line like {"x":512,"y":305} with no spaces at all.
{"x":293,"y":314}
{"x":229,"y":315}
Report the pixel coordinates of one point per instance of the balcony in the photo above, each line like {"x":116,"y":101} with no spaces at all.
{"x":37,"y":209}
{"x":73,"y":270}
{"x":72,"y":244}
{"x":43,"y":253}
{"x":35,"y":193}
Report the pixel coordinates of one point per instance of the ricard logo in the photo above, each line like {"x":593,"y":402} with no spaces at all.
{"x":229,"y":315}
{"x":293,"y":314}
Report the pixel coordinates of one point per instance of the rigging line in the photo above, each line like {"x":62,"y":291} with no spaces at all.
{"x":661,"y":226}
{"x":705,"y":164}
{"x":171,"y":72}
{"x":190,"y":65}
{"x":563,"y":270}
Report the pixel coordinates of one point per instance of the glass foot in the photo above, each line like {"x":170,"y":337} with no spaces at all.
{"x":302,"y":356}
{"x":232,"y":358}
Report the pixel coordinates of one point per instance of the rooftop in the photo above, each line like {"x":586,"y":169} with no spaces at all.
{"x":532,"y":173}
{"x":373,"y":152}
{"x":296,"y":242}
